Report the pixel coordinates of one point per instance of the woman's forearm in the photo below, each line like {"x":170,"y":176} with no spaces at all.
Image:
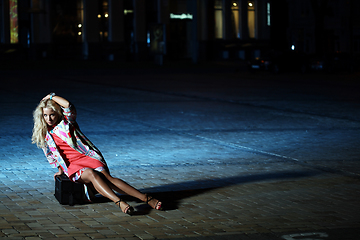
{"x":61,"y":101}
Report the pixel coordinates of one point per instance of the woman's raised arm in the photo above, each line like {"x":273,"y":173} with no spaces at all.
{"x":59,"y":100}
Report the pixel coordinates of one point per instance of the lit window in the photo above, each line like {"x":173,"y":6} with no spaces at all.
{"x":14,"y":31}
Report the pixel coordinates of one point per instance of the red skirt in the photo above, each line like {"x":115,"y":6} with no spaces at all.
{"x":76,"y":162}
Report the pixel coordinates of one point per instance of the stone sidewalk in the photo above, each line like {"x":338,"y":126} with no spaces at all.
{"x":233,"y":155}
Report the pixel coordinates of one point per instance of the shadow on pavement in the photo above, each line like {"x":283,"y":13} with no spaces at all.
{"x":172,"y":194}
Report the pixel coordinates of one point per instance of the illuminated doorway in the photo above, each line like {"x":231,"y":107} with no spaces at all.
{"x":235,"y":18}
{"x":251,"y":19}
{"x":218,"y":19}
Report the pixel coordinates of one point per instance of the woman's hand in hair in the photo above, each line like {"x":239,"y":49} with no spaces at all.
{"x":45,"y":98}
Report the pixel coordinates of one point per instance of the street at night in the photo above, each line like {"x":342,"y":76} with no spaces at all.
{"x":232,"y":154}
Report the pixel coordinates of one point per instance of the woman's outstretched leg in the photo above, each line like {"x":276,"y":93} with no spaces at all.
{"x":121,"y":186}
{"x":91,"y":176}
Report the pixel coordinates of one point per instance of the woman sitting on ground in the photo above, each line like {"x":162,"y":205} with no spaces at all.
{"x":67,"y":148}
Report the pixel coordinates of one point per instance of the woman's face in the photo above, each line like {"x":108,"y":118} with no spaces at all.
{"x":50,"y":116}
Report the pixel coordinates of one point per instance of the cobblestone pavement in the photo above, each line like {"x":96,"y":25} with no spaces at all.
{"x":233,"y":155}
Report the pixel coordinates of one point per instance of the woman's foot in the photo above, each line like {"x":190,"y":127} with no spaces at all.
{"x":153,"y":202}
{"x":125,"y":208}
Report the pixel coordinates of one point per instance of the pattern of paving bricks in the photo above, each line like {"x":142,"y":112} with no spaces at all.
{"x":228,"y":157}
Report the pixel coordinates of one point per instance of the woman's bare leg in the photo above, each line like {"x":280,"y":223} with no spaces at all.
{"x":121,"y":186}
{"x":91,"y":176}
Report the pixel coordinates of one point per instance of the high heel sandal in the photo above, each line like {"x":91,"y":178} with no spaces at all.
{"x":128,"y":210}
{"x":157,"y":205}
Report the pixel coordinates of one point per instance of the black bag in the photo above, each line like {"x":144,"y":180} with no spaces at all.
{"x":68,"y":192}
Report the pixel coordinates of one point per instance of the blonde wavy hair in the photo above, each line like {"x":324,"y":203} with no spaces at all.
{"x":40,"y":126}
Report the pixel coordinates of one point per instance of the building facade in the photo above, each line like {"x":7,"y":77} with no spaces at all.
{"x":136,"y":29}
{"x":176,"y":29}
